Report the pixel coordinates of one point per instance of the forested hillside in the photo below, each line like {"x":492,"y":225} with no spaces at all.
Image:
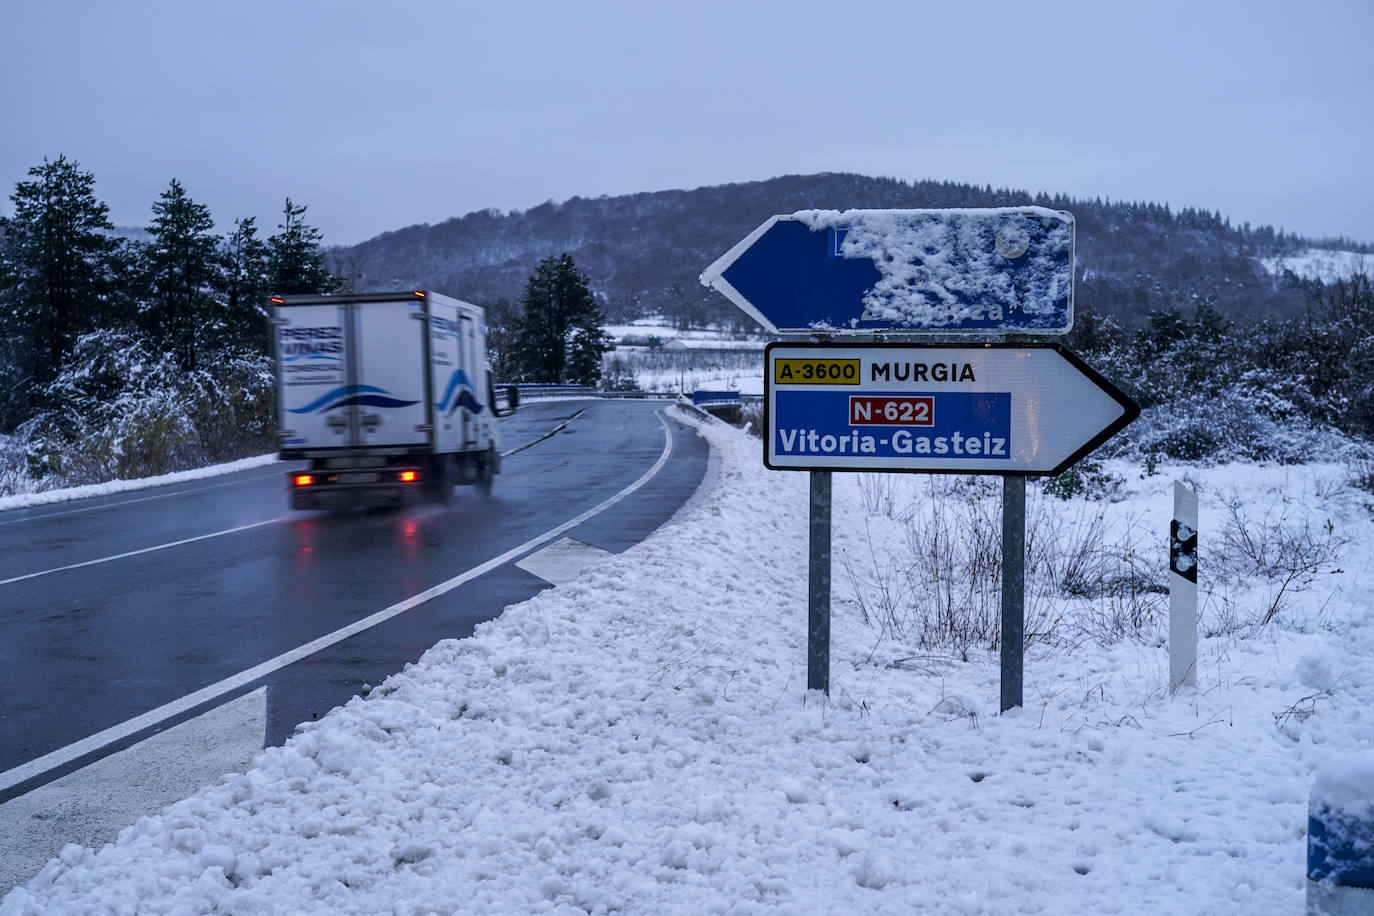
{"x":644,"y":252}
{"x":127,"y":353}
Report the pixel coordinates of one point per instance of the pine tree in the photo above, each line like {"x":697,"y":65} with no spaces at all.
{"x":295,"y":263}
{"x":587,"y":342}
{"x":56,"y":265}
{"x":246,"y":266}
{"x":559,"y":338}
{"x":183,"y":313}
{"x":503,"y":318}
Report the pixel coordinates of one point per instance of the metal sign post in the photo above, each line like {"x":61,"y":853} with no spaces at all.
{"x":1013,"y":588}
{"x":818,"y":592}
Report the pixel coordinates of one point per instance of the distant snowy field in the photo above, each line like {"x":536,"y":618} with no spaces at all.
{"x":681,"y":362}
{"x":1322,"y":264}
{"x":641,"y":740}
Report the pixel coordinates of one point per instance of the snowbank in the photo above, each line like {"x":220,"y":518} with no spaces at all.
{"x":641,"y":741}
{"x":47,"y":497}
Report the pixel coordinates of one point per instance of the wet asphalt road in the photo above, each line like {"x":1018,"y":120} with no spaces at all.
{"x":101,"y":621}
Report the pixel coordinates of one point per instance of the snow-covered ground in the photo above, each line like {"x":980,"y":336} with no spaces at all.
{"x":642,"y":330}
{"x":714,"y":376}
{"x":1322,"y":264}
{"x":685,"y":360}
{"x":45,"y":497}
{"x":641,"y":740}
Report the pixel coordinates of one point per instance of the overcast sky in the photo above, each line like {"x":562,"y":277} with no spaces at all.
{"x":379,"y":115}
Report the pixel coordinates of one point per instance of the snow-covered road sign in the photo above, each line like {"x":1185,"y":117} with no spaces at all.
{"x":990,"y":409}
{"x":858,"y":272}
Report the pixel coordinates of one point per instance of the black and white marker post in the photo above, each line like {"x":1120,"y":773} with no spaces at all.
{"x":1183,"y":590}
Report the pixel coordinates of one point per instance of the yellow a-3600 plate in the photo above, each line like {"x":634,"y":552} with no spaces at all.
{"x":816,"y":372}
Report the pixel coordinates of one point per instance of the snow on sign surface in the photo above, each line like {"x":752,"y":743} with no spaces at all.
{"x":974,"y":270}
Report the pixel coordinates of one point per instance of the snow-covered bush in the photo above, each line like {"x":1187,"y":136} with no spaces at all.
{"x":1241,"y":423}
{"x":1213,"y":391}
{"x":1086,"y":479}
{"x":230,"y":403}
{"x":121,"y":410}
{"x":14,"y":475}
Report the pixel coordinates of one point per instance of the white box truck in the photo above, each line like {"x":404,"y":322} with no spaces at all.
{"x":386,"y":395}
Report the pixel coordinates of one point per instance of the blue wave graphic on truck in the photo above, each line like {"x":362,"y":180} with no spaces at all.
{"x":313,"y":354}
{"x":351,"y":395}
{"x":460,"y":390}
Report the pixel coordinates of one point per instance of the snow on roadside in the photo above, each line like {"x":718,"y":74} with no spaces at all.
{"x":640,"y":740}
{"x":46,"y":497}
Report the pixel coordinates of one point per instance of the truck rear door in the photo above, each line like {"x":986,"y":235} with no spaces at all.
{"x":448,"y":382}
{"x":312,"y":354}
{"x":390,"y":395}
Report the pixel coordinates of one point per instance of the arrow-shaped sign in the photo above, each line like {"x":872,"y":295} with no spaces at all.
{"x":861,"y":271}
{"x":992,"y":409}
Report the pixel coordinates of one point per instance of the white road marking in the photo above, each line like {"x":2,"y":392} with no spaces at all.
{"x":563,"y":560}
{"x":91,"y":805}
{"x":78,"y":749}
{"x":134,"y":553}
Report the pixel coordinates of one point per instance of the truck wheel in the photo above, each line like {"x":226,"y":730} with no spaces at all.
{"x":443,"y":480}
{"x":486,"y":471}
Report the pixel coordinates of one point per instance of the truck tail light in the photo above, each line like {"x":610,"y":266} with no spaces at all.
{"x":409,"y":476}
{"x":303,"y":480}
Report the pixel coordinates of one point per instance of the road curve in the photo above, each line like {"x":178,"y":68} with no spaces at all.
{"x":121,"y":616}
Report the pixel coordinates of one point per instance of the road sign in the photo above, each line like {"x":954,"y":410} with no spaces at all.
{"x":858,"y":272}
{"x":997,"y":408}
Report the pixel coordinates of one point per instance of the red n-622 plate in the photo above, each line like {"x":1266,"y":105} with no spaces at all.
{"x":891,"y":410}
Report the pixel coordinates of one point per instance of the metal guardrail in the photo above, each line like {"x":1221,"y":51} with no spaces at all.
{"x":722,"y":408}
{"x":530,"y":392}
{"x":556,"y":391}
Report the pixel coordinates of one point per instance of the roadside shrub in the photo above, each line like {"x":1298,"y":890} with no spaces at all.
{"x":751,"y":417}
{"x":943,"y":591}
{"x":119,"y":410}
{"x":1085,"y":479}
{"x":1361,"y":474}
{"x":231,"y":405}
{"x":14,"y":466}
{"x":1284,"y":553}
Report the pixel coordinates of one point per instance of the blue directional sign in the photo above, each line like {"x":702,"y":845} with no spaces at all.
{"x":858,"y":272}
{"x":997,"y":408}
